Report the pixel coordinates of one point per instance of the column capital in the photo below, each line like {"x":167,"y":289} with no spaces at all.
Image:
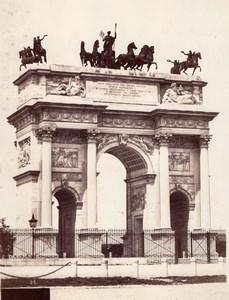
{"x":92,"y":135}
{"x":204,"y":140}
{"x":45,"y":132}
{"x":163,"y":138}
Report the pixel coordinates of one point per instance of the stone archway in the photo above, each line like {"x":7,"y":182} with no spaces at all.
{"x":179,"y":212}
{"x":137,"y":165}
{"x":67,"y":217}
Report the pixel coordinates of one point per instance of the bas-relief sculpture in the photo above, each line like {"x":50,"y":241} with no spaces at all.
{"x":64,"y":158}
{"x":179,"y":161}
{"x":177,"y":95}
{"x":74,"y":88}
{"x":24,"y":157}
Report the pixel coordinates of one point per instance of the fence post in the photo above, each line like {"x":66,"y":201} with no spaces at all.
{"x":76,"y":269}
{"x":164,"y":264}
{"x":191,"y":237}
{"x":194,"y":266}
{"x":105,"y":267}
{"x":208,"y":248}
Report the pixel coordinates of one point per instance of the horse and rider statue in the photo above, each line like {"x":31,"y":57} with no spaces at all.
{"x":33,"y":55}
{"x":191,"y":62}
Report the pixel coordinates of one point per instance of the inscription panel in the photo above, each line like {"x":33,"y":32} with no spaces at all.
{"x":122,"y":91}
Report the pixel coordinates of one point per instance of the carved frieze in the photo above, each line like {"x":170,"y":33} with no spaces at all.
{"x":78,"y":116}
{"x":179,"y":161}
{"x":117,"y":122}
{"x":138,"y":195}
{"x":181,"y":123}
{"x":145,"y":142}
{"x":184,"y":179}
{"x":66,"y":176}
{"x":24,"y":156}
{"x":64,"y":157}
{"x":183,"y":142}
{"x":68,"y":137}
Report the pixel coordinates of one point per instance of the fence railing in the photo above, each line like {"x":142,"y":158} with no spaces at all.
{"x":177,"y":247}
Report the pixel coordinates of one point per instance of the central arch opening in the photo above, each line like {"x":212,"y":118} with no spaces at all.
{"x":121,"y":194}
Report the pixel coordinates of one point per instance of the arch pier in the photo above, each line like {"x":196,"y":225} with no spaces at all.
{"x":62,"y":129}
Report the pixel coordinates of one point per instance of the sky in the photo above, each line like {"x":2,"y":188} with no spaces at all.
{"x":169,"y":25}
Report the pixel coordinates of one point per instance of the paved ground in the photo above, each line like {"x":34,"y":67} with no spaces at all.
{"x":205,"y":291}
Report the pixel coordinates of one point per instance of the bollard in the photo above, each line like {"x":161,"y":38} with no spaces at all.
{"x":194,"y":266}
{"x":164,"y":264}
{"x":105,"y":267}
{"x":221,"y":266}
{"x":64,"y":255}
{"x":76,"y":268}
{"x":136,"y":268}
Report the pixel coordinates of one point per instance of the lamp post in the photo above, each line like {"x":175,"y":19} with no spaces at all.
{"x":33,"y":225}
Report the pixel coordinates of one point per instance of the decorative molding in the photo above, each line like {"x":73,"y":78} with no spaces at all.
{"x":147,"y":178}
{"x":163,"y":138}
{"x":181,"y":179}
{"x":65,"y":137}
{"x":181,"y":123}
{"x":67,"y":176}
{"x":184,"y":142}
{"x":64,"y":157}
{"x":116,"y":122}
{"x":179,"y":161}
{"x":204,"y":140}
{"x":29,"y":176}
{"x":66,"y":115}
{"x":24,"y":157}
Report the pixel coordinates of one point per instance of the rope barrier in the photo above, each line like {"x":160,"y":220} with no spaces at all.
{"x":33,"y":277}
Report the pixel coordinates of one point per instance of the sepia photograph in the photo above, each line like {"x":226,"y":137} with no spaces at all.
{"x":114,"y":150}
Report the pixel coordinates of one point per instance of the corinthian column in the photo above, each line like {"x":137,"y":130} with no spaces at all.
{"x":162,"y":140}
{"x":91,"y":179}
{"x":45,"y":136}
{"x":204,"y":183}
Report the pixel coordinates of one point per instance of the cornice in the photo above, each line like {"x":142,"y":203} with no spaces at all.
{"x":28,"y":176}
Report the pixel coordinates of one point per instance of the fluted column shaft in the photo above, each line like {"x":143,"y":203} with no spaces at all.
{"x":204,"y":183}
{"x":163,"y":141}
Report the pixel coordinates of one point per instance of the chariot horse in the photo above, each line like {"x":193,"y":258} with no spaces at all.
{"x":85,"y":56}
{"x":145,"y":57}
{"x":126,"y":60}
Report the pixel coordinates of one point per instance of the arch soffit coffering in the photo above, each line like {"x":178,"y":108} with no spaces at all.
{"x":112,"y":148}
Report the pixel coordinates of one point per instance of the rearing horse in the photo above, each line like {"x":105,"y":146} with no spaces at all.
{"x":126,"y":60}
{"x":85,"y":56}
{"x":145,"y":57}
{"x":194,"y":63}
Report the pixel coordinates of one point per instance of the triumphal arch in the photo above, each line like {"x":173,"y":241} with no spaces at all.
{"x":155,"y":124}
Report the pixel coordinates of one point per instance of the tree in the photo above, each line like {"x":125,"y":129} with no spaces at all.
{"x":6,"y":240}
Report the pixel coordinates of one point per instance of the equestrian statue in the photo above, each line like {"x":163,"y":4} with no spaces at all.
{"x":35,"y":55}
{"x":191,"y":62}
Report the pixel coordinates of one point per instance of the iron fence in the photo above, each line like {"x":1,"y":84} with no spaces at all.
{"x":177,"y":247}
